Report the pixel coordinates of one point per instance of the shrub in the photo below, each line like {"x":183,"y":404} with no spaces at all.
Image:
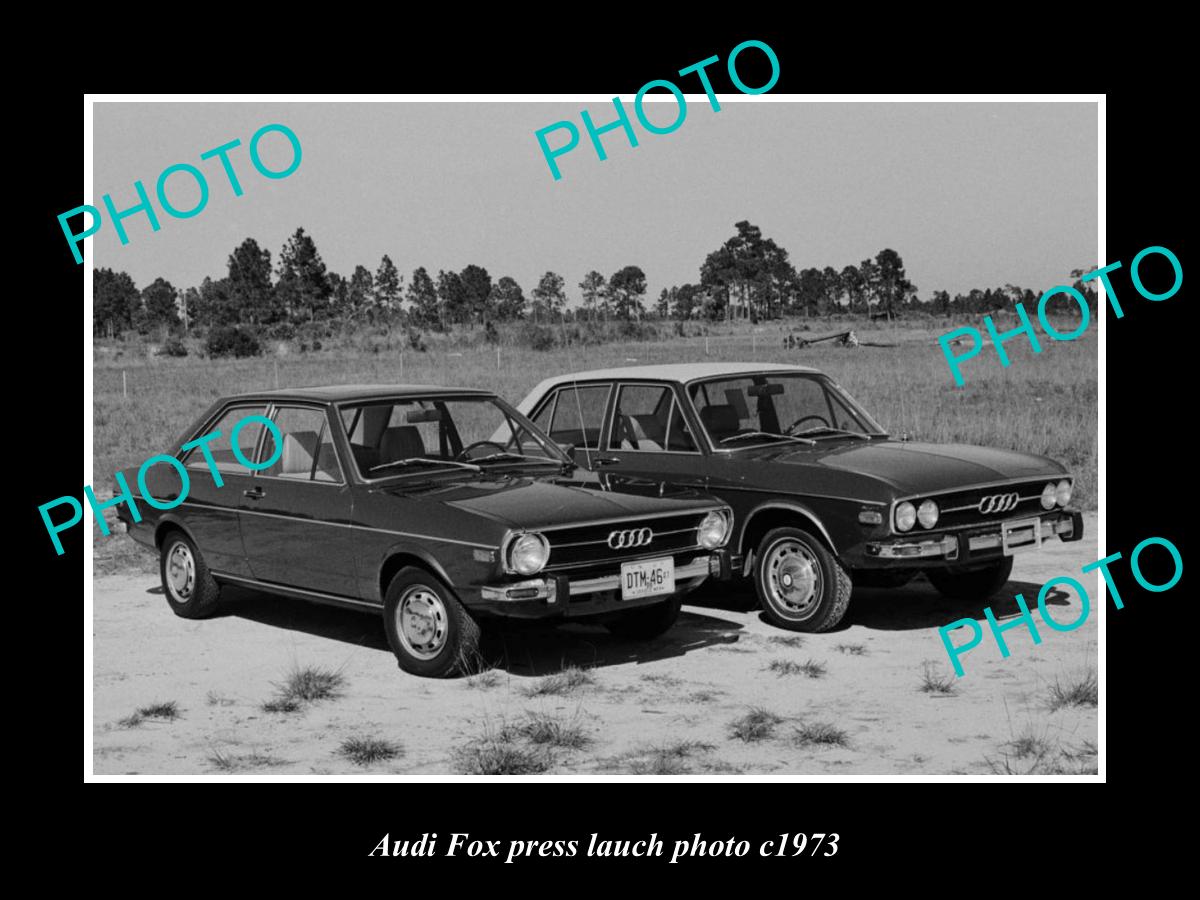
{"x":281,"y":331}
{"x":173,"y":347}
{"x":232,"y":340}
{"x":415,"y":341}
{"x":540,"y":337}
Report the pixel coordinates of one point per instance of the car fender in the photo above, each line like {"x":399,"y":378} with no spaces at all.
{"x":409,"y":548}
{"x":791,"y":506}
{"x":173,"y":520}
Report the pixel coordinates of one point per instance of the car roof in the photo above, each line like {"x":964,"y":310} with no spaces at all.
{"x":681,"y":372}
{"x":343,"y":393}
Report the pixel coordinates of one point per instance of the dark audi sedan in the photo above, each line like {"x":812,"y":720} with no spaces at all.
{"x":437,"y":507}
{"x":823,"y":497}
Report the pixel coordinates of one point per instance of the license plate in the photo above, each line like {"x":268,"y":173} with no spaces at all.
{"x":1020,"y":534}
{"x":647,"y":578}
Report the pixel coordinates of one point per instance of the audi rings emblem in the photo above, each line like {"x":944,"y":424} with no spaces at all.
{"x":632,"y":537}
{"x":998,"y":503}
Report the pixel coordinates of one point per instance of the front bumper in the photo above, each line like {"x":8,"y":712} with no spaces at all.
{"x":981,"y":543}
{"x":561,"y":595}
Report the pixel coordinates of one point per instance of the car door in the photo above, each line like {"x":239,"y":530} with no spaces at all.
{"x":649,"y":442}
{"x":211,"y":511}
{"x":296,"y":522}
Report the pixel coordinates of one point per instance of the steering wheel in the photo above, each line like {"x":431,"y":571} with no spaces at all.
{"x":466,"y":451}
{"x":792,"y":428}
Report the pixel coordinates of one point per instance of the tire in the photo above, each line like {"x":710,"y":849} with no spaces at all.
{"x":972,"y":584}
{"x":189,"y":587}
{"x":801,"y":585}
{"x":427,"y":627}
{"x":648,"y":622}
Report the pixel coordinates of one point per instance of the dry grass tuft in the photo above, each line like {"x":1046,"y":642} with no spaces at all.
{"x":756,"y":725}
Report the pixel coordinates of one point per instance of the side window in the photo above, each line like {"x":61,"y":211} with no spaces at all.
{"x":542,"y":419}
{"x":222,"y":447}
{"x":578,"y":415}
{"x":648,"y":418}
{"x":679,"y":435}
{"x":308,"y":453}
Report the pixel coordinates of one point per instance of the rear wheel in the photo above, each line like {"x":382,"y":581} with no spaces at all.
{"x":647,"y":622}
{"x":189,"y":587}
{"x":428,"y":629}
{"x":801,"y":584}
{"x":971,"y":584}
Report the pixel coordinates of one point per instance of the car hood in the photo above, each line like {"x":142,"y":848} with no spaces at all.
{"x":536,"y":503}
{"x":912,"y":467}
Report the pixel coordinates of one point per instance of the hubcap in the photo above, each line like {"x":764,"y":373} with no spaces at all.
{"x":421,"y":622}
{"x":793,"y":580}
{"x":181,"y":572}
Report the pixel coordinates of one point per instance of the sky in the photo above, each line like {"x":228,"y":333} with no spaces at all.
{"x":970,"y":194}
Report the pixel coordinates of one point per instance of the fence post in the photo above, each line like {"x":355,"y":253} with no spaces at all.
{"x":276,"y":374}
{"x":706,"y":345}
{"x":753,"y":344}
{"x":497,"y":359}
{"x":124,"y":386}
{"x":401,"y":364}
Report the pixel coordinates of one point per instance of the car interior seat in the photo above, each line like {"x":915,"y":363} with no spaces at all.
{"x":721,"y":420}
{"x":297,"y":458}
{"x":645,"y":432}
{"x":400,"y":442}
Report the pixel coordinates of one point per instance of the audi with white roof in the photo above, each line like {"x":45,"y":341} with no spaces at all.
{"x":437,"y":508}
{"x":823,"y":497}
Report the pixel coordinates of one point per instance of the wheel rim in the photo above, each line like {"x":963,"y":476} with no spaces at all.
{"x":421,"y":622}
{"x":181,"y":572}
{"x":793,"y":579}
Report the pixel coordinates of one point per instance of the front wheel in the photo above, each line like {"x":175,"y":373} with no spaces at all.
{"x":427,"y":627}
{"x":972,"y":584}
{"x":801,"y":585}
{"x":648,"y":622}
{"x":190,"y":589}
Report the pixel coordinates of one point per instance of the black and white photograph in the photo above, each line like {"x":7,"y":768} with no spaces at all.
{"x":716,"y":434}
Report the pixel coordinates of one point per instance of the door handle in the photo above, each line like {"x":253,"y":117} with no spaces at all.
{"x":255,"y":493}
{"x":606,"y":460}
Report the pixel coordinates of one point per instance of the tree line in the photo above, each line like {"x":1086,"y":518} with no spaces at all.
{"x":749,"y":276}
{"x":300,"y":289}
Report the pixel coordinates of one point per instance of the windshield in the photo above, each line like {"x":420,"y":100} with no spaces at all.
{"x":421,"y":436}
{"x":754,"y":410}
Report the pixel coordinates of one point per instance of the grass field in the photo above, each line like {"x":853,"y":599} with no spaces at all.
{"x":1043,"y":403}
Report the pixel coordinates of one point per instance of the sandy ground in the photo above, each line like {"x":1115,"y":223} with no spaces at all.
{"x":665,"y":706}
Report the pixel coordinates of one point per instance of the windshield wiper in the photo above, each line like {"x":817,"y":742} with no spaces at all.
{"x":421,"y":460}
{"x":516,"y":456}
{"x":828,"y":428}
{"x":745,"y":435}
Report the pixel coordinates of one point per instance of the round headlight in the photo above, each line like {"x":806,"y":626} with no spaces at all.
{"x":927,"y":514}
{"x":712,"y":531}
{"x":528,"y":553}
{"x":1062,"y":493}
{"x":906,"y":516}
{"x":1048,"y":496}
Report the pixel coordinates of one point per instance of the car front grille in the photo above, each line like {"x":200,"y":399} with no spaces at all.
{"x":962,"y":508}
{"x":586,"y":547}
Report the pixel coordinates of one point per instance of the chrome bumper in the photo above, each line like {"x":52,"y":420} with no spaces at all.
{"x":1012,"y":535}
{"x":546,"y":589}
{"x":947,"y":548}
{"x":1019,"y":538}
